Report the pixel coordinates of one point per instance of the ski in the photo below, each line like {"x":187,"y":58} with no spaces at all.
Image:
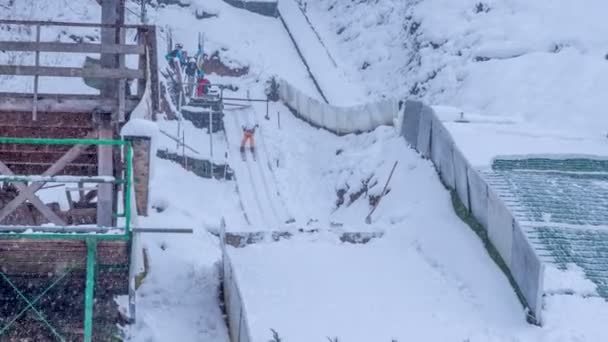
{"x":243,"y":154}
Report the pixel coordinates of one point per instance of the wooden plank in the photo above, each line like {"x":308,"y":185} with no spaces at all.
{"x":59,"y":105}
{"x":36,"y":78}
{"x":13,"y":157}
{"x":41,"y":132}
{"x":142,"y":63}
{"x":57,"y":96}
{"x":73,"y":24}
{"x":122,"y":83}
{"x":56,"y":179}
{"x":69,"y":170}
{"x":109,"y":15}
{"x":125,"y":49}
{"x":155,"y":83}
{"x":70,"y":156}
{"x":105,"y":193}
{"x":104,"y":73}
{"x":47,"y":212}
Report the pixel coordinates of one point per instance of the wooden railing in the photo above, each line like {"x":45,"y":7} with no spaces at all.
{"x":114,"y":77}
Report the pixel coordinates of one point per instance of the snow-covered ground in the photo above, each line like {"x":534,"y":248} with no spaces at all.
{"x":513,"y":136}
{"x":333,"y":81}
{"x":429,"y":277}
{"x":429,"y":270}
{"x":180,"y":294}
{"x":542,"y":61}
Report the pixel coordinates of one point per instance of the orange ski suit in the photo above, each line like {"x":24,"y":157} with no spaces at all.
{"x":248,"y":135}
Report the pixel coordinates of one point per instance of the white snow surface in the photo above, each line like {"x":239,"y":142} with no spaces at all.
{"x":429,"y":278}
{"x":334,"y":83}
{"x":570,"y":280}
{"x":179,"y":297}
{"x":503,"y":136}
{"x":546,"y":59}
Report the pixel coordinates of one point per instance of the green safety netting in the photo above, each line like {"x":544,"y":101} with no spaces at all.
{"x":562,"y":204}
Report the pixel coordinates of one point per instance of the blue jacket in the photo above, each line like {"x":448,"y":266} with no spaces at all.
{"x":176,"y":54}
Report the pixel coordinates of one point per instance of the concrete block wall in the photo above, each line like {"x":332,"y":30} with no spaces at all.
{"x":238,"y":326}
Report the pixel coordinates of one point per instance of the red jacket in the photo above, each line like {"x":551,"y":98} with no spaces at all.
{"x":202,"y":87}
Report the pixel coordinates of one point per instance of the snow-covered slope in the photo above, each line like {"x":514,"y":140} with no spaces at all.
{"x":543,"y":61}
{"x":429,"y":277}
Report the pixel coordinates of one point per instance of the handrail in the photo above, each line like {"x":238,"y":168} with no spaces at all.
{"x":75,"y":24}
{"x":45,"y":141}
{"x":131,"y":49}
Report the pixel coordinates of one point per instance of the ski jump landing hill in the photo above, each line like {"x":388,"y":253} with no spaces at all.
{"x":531,"y":209}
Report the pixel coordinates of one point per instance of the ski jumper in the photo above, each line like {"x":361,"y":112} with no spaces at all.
{"x":248,"y":135}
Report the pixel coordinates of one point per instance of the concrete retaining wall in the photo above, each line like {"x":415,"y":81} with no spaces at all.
{"x":238,"y":326}
{"x":423,"y":130}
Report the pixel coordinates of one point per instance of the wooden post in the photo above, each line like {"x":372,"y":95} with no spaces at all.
{"x":142,"y":39}
{"x":35,"y":109}
{"x":109,"y":15}
{"x":105,"y":196}
{"x":154,"y":81}
{"x":113,"y":13}
{"x":141,"y":171}
{"x":122,"y":83}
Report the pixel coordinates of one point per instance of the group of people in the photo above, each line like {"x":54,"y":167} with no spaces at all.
{"x":193,"y":70}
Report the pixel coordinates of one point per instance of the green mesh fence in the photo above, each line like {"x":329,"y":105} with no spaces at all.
{"x":574,"y":164}
{"x":562,"y":204}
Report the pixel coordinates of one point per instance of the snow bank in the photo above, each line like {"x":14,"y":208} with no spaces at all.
{"x":542,"y":61}
{"x":401,"y":287}
{"x":569,"y":281}
{"x":140,"y":128}
{"x":340,"y":120}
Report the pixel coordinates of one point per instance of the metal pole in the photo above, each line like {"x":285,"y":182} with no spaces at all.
{"x":184,"y":150}
{"x":225,"y":169}
{"x":128,"y":184}
{"x":267,"y":102}
{"x":211,"y":134}
{"x":279,"y":119}
{"x":179,"y":124}
{"x":90,"y":289}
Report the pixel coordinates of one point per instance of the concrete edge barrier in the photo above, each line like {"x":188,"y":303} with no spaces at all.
{"x":424,"y":131}
{"x":238,"y":324}
{"x":338,"y":120}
